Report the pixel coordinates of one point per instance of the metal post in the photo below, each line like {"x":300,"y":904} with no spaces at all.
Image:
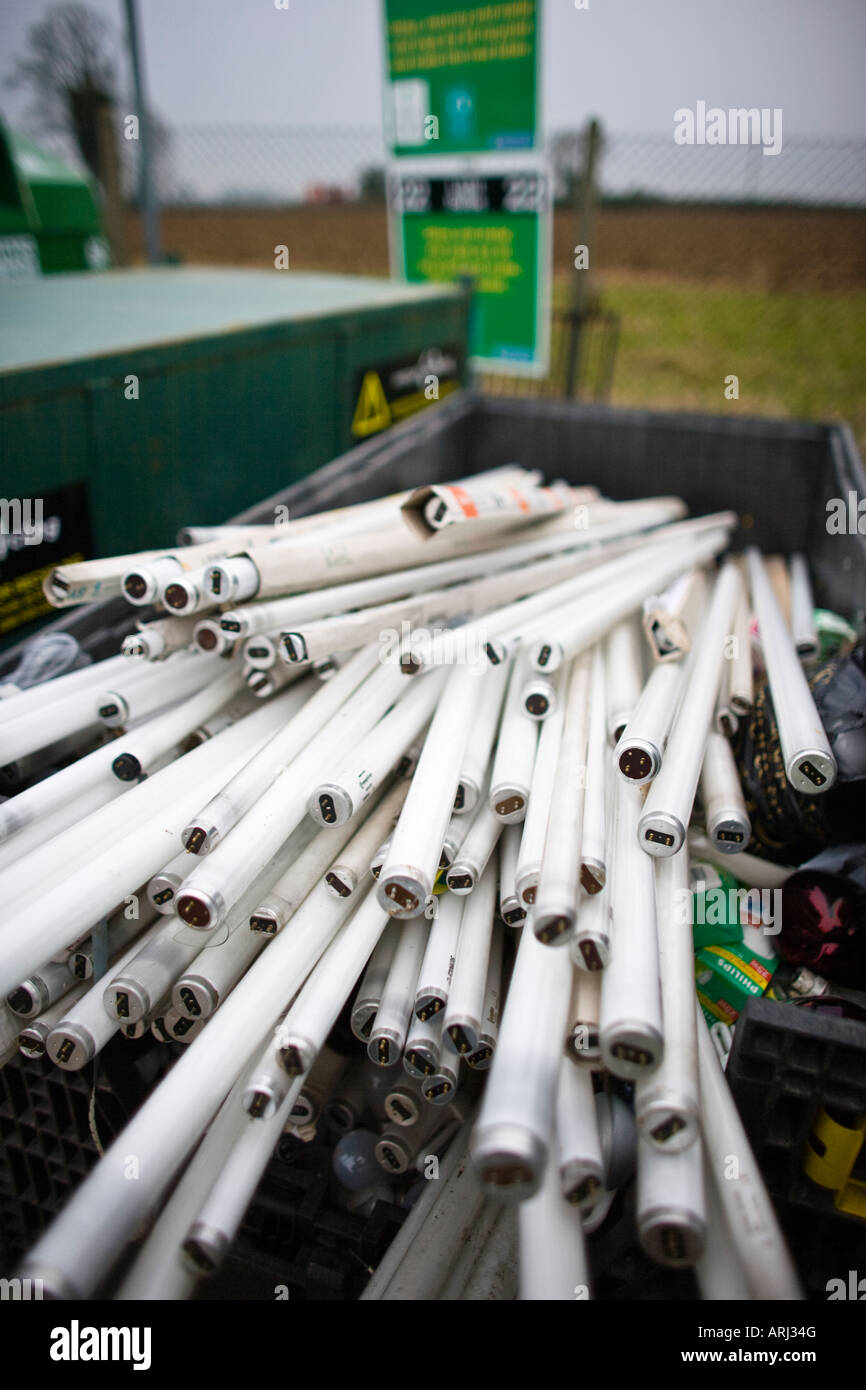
{"x":584,"y":215}
{"x":147,"y":192}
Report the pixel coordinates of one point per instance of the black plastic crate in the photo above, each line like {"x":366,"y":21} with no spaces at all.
{"x":777,"y":474}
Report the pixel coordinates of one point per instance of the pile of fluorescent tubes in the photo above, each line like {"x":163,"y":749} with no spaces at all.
{"x":438,"y":758}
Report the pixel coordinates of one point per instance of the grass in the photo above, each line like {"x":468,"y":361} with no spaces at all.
{"x":795,"y":354}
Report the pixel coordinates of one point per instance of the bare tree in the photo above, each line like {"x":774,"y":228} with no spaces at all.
{"x":69,"y":66}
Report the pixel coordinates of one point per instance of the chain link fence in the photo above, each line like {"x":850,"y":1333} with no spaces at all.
{"x":235,"y":166}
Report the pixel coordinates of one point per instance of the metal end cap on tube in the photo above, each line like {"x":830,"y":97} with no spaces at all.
{"x":638,"y":760}
{"x":27,"y":999}
{"x":811,"y":771}
{"x":730,"y":831}
{"x":296,"y":1056}
{"x":199,"y":909}
{"x":428,"y":1003}
{"x":467,"y":798}
{"x":199,"y":839}
{"x":666,"y":1123}
{"x":384,"y":1047}
{"x":341,"y":882}
{"x":127,"y":767}
{"x":181,"y":596}
{"x":419,"y":1062}
{"x":593,"y":876}
{"x":127,"y":1000}
{"x":402,"y":1108}
{"x":461,"y":877}
{"x":139,"y":588}
{"x":194,"y":997}
{"x":70,"y":1046}
{"x":32,"y":1040}
{"x":671,"y":1236}
{"x":554,"y":925}
{"x":539,"y":698}
{"x":509,"y":801}
{"x":509,"y":1161}
{"x":392,"y":1154}
{"x":582,"y":1184}
{"x":205,"y":1247}
{"x":261,"y":1098}
{"x":591,"y":953}
{"x":583,"y":1047}
{"x":404,"y":892}
{"x":631,"y":1049}
{"x":465,"y":1033}
{"x":547,"y":657}
{"x":440,"y":1088}
{"x":512,"y":912}
{"x":481,"y":1058}
{"x":660,"y":834}
{"x":330,"y":805}
{"x":527,"y":886}
{"x":361,"y":1022}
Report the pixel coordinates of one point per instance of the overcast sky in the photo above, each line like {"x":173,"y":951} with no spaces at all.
{"x":631,"y":62}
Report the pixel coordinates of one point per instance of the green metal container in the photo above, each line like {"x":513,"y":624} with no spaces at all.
{"x":49,"y":213}
{"x":136,"y":401}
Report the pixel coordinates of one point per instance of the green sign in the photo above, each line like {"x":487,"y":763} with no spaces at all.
{"x":493,"y":229}
{"x":462,"y":77}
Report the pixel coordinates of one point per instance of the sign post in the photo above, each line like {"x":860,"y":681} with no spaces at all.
{"x":468,"y":198}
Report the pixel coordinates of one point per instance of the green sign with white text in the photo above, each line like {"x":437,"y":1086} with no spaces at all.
{"x":492,"y":229}
{"x":462,"y":77}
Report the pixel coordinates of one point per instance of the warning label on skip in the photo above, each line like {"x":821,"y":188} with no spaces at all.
{"x":389,"y":393}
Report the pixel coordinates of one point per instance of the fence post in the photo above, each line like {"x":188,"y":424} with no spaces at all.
{"x":584,"y":208}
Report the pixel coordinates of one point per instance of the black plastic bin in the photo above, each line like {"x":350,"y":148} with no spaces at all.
{"x":778,"y":475}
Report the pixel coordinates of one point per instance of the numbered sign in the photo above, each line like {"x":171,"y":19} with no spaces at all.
{"x":492,"y":229}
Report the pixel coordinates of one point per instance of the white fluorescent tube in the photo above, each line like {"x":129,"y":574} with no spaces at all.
{"x":726,"y":818}
{"x":667,"y":1103}
{"x":395,"y":1011}
{"x":511,"y":907}
{"x":514,"y":1131}
{"x":406,"y":880}
{"x":671,"y":1215}
{"x":751,"y":1220}
{"x":572,"y":629}
{"x":582,"y":1041}
{"x":514,"y":755}
{"x":593,"y":853}
{"x":346,"y":788}
{"x":105,"y":1211}
{"x":350,"y":868}
{"x":157,"y":640}
{"x":631,"y":1017}
{"x":437,"y":967}
{"x":556,"y":899}
{"x":465,"y":1004}
{"x":623,"y":651}
{"x":481,"y":1056}
{"x":477,"y":754}
{"x":43,"y":921}
{"x":471,"y":859}
{"x":641,"y":745}
{"x":809,"y":762}
{"x":223,"y":875}
{"x":668,"y":807}
{"x":136,"y":752}
{"x":581,"y":1169}
{"x":216,"y":818}
{"x":540,"y":796}
{"x":553,"y":1263}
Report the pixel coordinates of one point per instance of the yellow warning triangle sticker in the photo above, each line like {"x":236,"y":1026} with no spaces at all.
{"x":372,"y":413}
